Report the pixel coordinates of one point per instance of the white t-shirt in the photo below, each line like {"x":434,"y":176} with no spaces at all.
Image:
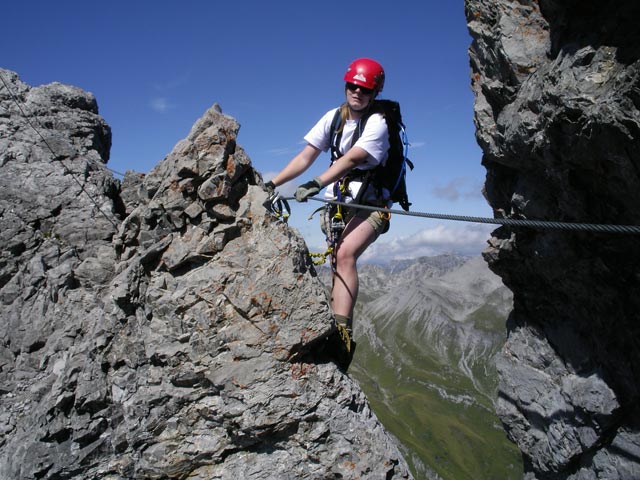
{"x":374,"y":140}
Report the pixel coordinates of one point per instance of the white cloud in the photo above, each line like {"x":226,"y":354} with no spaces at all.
{"x":286,"y":190}
{"x":283,"y":151}
{"x":468,"y":239}
{"x":178,"y":81}
{"x":289,"y":188}
{"x":457,"y":188}
{"x":160,"y":104}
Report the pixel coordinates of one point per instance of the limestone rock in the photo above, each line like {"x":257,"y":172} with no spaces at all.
{"x":557,"y":112}
{"x":165,"y":327}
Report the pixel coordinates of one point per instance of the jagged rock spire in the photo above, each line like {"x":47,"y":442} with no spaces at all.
{"x":165,"y":329}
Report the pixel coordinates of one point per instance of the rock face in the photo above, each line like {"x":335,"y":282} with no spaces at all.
{"x":557,"y":111}
{"x":165,"y":327}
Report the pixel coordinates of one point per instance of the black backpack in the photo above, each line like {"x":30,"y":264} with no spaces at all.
{"x":392,"y":174}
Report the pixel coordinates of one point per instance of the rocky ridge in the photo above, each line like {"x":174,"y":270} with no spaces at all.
{"x":557,"y":112}
{"x":165,"y":327}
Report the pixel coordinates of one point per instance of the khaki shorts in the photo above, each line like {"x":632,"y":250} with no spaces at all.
{"x":378,"y":220}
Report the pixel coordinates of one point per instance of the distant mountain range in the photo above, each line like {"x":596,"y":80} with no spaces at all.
{"x":427,"y":333}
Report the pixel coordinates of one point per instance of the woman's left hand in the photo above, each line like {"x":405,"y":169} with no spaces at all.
{"x":308,"y":189}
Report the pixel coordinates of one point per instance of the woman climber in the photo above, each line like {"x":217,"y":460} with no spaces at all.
{"x":360,"y":143}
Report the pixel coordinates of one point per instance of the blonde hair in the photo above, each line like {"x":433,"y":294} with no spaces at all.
{"x":344,"y":114}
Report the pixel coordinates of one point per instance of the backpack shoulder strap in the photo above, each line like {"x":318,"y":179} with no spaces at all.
{"x":389,"y":109}
{"x":335,"y":137}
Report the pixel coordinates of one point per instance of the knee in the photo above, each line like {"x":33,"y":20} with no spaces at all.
{"x":345,"y":258}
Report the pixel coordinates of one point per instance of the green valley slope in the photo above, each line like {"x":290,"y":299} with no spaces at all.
{"x":428,"y":331}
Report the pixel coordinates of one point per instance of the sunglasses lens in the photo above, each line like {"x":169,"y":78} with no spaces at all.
{"x":353,"y":87}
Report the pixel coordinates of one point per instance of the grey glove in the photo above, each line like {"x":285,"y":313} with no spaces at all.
{"x":274,"y":195}
{"x":308,"y":189}
{"x":271,"y":187}
{"x":273,"y":198}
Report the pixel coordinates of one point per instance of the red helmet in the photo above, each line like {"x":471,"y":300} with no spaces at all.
{"x":366,"y":73}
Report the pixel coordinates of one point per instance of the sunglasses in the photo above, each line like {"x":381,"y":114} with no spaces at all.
{"x":353,"y":87}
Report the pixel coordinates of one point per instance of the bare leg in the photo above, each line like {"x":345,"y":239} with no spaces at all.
{"x":355,"y":239}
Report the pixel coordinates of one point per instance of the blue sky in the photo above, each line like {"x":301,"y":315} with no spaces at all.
{"x":156,"y":67}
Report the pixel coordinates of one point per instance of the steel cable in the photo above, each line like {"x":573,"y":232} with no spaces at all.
{"x":514,"y":222}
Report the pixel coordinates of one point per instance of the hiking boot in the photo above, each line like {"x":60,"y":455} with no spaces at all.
{"x":344,"y":344}
{"x":345,"y":334}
